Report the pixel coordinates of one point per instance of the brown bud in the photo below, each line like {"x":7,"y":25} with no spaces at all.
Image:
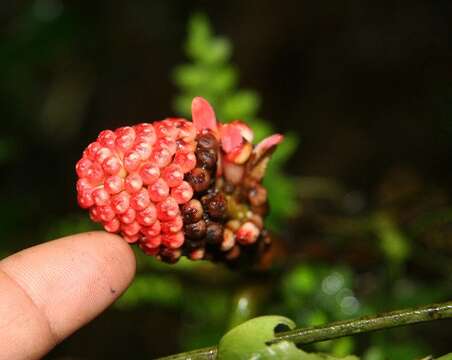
{"x":214,"y":233}
{"x":207,"y":159}
{"x":215,"y":205}
{"x":170,"y":256}
{"x":195,"y":230}
{"x":228,"y":240}
{"x":257,"y":196}
{"x":192,"y":211}
{"x":199,"y":179}
{"x":207,"y":141}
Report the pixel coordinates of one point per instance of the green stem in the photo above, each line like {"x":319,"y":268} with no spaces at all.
{"x":367,"y":324}
{"x":342,"y":328}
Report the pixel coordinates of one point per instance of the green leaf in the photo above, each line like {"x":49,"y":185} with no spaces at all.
{"x":202,"y":46}
{"x":248,"y":341}
{"x":393,"y":242}
{"x":242,"y":105}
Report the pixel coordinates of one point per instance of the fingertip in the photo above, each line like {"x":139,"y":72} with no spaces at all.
{"x":72,"y":279}
{"x":111,"y":248}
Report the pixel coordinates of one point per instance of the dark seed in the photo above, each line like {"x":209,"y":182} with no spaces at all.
{"x":199,"y":179}
{"x":233,"y":254}
{"x":192,"y":211}
{"x":215,"y":205}
{"x":170,"y":256}
{"x":196,"y":230}
{"x":191,"y":244}
{"x":214,"y":233}
{"x":207,"y":141}
{"x":206,"y":158}
{"x":257,"y":195}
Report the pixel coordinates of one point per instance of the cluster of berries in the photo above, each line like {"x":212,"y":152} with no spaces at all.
{"x":177,"y":187}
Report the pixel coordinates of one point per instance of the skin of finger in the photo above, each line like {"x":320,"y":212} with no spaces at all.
{"x":67,"y":282}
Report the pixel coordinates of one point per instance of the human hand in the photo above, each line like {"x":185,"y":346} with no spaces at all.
{"x":50,"y":290}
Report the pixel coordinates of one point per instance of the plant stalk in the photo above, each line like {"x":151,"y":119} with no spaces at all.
{"x":341,"y":328}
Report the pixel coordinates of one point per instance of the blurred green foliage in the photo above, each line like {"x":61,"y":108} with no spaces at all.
{"x":384,"y":257}
{"x":210,"y":74}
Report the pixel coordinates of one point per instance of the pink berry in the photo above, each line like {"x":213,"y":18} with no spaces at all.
{"x":152,"y":242}
{"x":91,"y":150}
{"x":106,"y":213}
{"x":83,"y":185}
{"x":101,"y":197}
{"x":85,"y":199}
{"x":149,"y":173}
{"x":128,"y":216}
{"x":112,"y":225}
{"x":83,"y":167}
{"x":114,"y":184}
{"x":95,"y":173}
{"x":182,"y":193}
{"x":167,"y":143}
{"x":94,"y":214}
{"x":132,"y":160}
{"x":166,"y":128}
{"x":144,"y":149}
{"x":120,"y":202}
{"x":172,"y":226}
{"x":160,"y":156}
{"x":125,"y":138}
{"x":111,"y":165}
{"x":168,"y":209}
{"x":107,"y":138}
{"x":140,"y":200}
{"x":102,"y":154}
{"x":133,"y":183}
{"x":173,"y":175}
{"x":187,"y":132}
{"x":148,"y":216}
{"x":145,"y":133}
{"x":153,"y":230}
{"x":187,"y":161}
{"x":131,"y":239}
{"x":158,"y":191}
{"x":173,"y":241}
{"x":131,"y":229}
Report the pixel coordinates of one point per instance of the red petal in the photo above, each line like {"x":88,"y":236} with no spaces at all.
{"x":231,"y":137}
{"x":203,"y":115}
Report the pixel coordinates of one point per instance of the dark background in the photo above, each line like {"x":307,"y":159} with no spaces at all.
{"x":366,"y":85}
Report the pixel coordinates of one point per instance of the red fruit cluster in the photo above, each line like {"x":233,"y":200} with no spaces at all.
{"x":180,"y":188}
{"x":132,"y":181}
